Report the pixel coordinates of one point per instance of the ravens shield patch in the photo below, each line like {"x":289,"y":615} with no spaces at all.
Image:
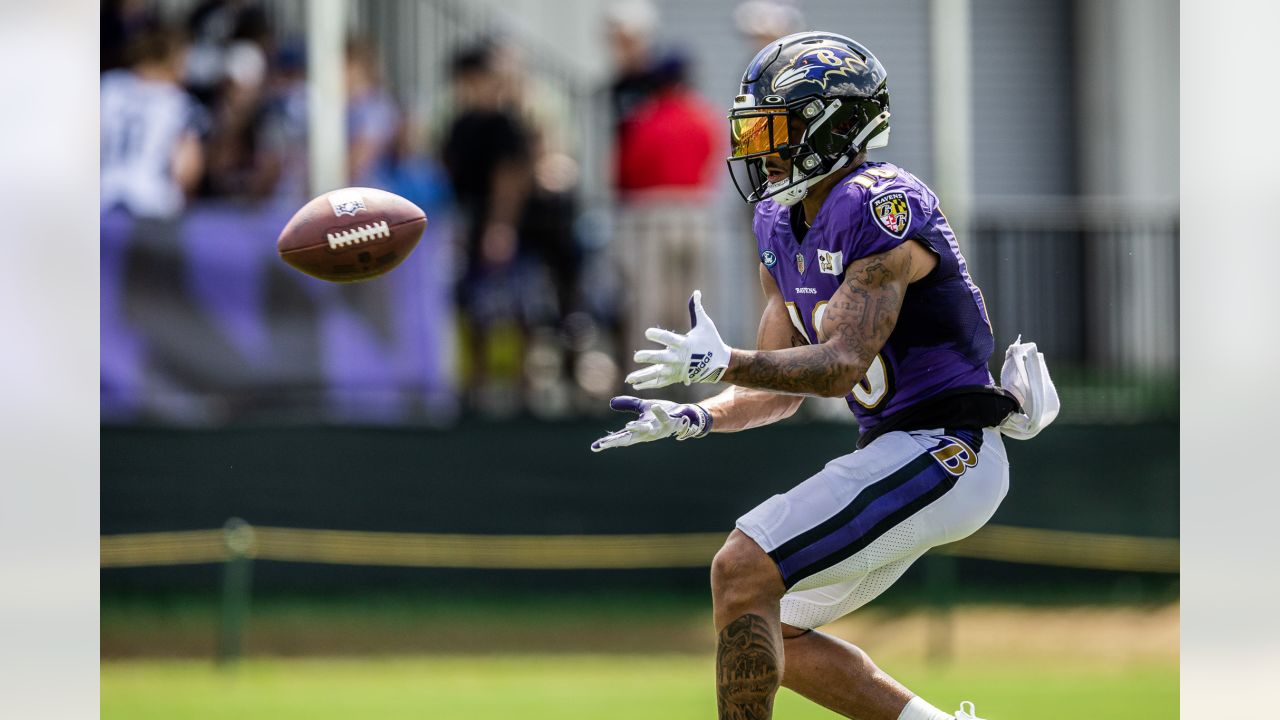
{"x":892,"y":212}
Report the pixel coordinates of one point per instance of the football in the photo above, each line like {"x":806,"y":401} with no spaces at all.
{"x":351,"y":234}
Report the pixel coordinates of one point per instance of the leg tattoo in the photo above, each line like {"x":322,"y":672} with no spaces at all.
{"x":747,"y":674}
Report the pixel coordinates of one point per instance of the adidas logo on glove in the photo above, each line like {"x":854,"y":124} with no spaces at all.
{"x":697,"y":362}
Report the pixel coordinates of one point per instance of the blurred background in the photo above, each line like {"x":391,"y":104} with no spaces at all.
{"x":378,"y":499}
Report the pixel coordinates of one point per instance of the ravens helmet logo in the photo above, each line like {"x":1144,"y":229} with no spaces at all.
{"x":819,"y":66}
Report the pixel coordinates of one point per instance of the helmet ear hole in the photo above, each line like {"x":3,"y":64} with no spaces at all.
{"x":845,"y":131}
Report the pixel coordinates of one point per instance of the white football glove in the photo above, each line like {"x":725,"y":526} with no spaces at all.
{"x":699,"y":357}
{"x":658,"y":419}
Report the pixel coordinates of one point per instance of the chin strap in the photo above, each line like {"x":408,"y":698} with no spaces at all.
{"x":797,"y":192}
{"x":791,"y":195}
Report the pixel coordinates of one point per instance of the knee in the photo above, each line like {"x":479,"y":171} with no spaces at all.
{"x":741,"y":571}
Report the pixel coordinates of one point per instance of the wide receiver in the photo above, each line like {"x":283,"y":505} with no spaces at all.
{"x":867,"y":298}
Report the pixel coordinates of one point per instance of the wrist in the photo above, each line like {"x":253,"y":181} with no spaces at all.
{"x":715,"y":414}
{"x":736,"y":358}
{"x":699,"y":421}
{"x":704,"y":427}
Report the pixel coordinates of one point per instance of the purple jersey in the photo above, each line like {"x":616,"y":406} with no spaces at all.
{"x":943,"y":337}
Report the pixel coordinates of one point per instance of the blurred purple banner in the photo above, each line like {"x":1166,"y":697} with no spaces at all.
{"x":202,"y":324}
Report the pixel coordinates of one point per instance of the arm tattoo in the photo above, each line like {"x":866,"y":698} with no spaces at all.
{"x":859,"y":318}
{"x":747,"y":674}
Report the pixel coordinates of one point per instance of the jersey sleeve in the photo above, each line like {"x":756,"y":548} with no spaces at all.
{"x":762,"y":221}
{"x":881,"y":218}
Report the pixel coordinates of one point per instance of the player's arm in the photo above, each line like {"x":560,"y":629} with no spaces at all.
{"x":740,"y":408}
{"x":736,"y":408}
{"x":858,"y":320}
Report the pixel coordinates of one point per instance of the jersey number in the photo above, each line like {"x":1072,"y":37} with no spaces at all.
{"x":874,"y":386}
{"x":121,"y":148}
{"x":872,"y":175}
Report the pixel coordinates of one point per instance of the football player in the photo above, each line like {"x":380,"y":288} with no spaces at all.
{"x":867,"y":298}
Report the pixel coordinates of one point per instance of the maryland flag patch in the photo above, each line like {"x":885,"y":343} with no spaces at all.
{"x":892,"y":212}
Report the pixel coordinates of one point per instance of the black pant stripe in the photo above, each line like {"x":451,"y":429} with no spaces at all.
{"x":947,"y":482}
{"x":859,"y":503}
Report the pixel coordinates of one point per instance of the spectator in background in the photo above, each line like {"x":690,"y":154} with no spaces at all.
{"x":226,"y":71}
{"x":373,"y":117}
{"x":121,"y":21}
{"x":151,"y":156}
{"x":551,"y":256}
{"x":214,"y":27}
{"x":150,"y":160}
{"x":375,"y":125}
{"x":281,"y":165}
{"x":666,"y":145}
{"x":238,"y":112}
{"x":763,"y":21}
{"x":487,"y":153}
{"x":666,"y":152}
{"x":631,"y":25}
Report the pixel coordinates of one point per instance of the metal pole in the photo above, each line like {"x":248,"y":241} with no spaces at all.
{"x":237,"y":575}
{"x":326,"y":95}
{"x":953,"y":115}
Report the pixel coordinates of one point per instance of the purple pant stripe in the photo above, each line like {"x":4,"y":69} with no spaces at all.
{"x":856,"y":531}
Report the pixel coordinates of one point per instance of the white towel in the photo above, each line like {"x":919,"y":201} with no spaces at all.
{"x":1026,"y":376}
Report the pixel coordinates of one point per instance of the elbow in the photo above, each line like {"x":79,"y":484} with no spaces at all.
{"x":835,"y":391}
{"x":791,"y":409}
{"x":849,"y":371}
{"x":837,"y":388}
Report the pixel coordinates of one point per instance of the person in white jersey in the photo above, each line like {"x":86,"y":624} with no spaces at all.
{"x":151,"y":155}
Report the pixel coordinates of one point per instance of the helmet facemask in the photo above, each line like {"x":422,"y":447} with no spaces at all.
{"x":814,"y":133}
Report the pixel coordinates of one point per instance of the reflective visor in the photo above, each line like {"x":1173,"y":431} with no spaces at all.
{"x":758,"y":131}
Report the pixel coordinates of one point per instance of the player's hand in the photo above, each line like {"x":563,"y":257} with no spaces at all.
{"x":658,"y":419}
{"x":701,"y":356}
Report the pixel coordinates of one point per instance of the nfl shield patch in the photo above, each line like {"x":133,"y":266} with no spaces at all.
{"x":800,"y":262}
{"x":346,"y":202}
{"x":892,"y":212}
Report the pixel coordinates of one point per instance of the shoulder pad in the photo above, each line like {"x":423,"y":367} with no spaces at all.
{"x":892,"y":199}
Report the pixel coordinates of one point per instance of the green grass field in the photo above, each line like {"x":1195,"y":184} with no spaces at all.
{"x":618,"y":687}
{"x":612,"y":658}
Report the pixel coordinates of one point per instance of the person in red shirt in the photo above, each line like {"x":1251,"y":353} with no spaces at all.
{"x":669,"y":142}
{"x":669,"y":146}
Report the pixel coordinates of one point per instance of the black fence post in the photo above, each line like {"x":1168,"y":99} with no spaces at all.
{"x":237,"y":575}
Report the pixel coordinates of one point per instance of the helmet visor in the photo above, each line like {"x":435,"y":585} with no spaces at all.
{"x":757,"y":132}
